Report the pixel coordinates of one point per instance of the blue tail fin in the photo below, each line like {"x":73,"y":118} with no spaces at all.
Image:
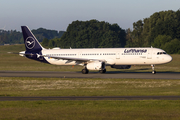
{"x":30,"y":41}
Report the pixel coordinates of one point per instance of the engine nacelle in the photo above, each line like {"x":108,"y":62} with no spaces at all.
{"x":95,"y":66}
{"x":121,"y":66}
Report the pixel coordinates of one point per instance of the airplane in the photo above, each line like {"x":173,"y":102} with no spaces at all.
{"x":94,"y":58}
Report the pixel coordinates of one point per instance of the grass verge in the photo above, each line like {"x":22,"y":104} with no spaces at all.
{"x":91,"y":110}
{"x":24,"y":86}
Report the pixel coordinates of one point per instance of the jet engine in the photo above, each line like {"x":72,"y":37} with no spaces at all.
{"x":96,"y":66}
{"x":121,"y":66}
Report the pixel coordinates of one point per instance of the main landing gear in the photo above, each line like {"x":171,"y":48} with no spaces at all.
{"x":85,"y":71}
{"x":153,"y":71}
{"x":102,"y":71}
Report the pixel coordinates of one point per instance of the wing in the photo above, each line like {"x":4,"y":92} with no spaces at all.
{"x":77,"y":60}
{"x":70,"y":59}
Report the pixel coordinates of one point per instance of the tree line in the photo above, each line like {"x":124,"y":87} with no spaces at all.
{"x":161,"y":30}
{"x":90,"y":34}
{"x":15,"y":37}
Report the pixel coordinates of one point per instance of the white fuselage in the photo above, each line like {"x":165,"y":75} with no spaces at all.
{"x":112,"y":56}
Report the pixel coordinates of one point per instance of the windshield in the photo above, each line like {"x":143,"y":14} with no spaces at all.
{"x":160,"y":53}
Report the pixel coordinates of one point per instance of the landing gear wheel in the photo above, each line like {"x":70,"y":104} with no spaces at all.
{"x":154,"y":72}
{"x":102,"y":71}
{"x":85,"y":71}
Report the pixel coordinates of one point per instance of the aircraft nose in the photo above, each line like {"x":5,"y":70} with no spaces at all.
{"x":169,"y":58}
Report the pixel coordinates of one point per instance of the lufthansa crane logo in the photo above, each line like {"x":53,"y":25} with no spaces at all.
{"x":30,"y":42}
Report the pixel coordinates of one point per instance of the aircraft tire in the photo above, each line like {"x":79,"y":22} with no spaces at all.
{"x":154,"y":72}
{"x":85,"y":71}
{"x":102,"y":71}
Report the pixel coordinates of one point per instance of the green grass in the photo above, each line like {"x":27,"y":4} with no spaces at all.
{"x":87,"y":87}
{"x":91,"y":110}
{"x":80,"y":110}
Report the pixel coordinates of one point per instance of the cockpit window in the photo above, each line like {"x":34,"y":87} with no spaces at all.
{"x":160,"y":53}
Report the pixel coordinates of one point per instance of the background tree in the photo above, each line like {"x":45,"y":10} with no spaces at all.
{"x":161,"y":40}
{"x":45,"y":42}
{"x":159,"y":30}
{"x":15,"y":37}
{"x":93,"y":34}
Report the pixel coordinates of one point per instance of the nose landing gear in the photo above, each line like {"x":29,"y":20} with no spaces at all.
{"x":153,"y":71}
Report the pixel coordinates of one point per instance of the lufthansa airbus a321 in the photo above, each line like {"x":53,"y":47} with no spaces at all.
{"x":95,"y":58}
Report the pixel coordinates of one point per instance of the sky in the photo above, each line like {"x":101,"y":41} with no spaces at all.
{"x":58,"y":14}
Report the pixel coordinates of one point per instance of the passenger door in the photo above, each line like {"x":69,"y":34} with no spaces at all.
{"x":117,"y":55}
{"x":149,"y":54}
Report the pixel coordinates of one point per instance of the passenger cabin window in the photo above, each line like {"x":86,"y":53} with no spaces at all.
{"x":160,"y":53}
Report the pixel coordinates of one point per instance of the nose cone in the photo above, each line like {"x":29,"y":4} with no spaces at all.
{"x":169,"y":58}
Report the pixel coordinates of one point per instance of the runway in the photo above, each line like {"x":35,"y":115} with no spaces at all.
{"x":110,"y":74}
{"x":91,"y":98}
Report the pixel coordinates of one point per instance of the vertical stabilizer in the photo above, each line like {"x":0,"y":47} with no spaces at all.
{"x":30,"y":41}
